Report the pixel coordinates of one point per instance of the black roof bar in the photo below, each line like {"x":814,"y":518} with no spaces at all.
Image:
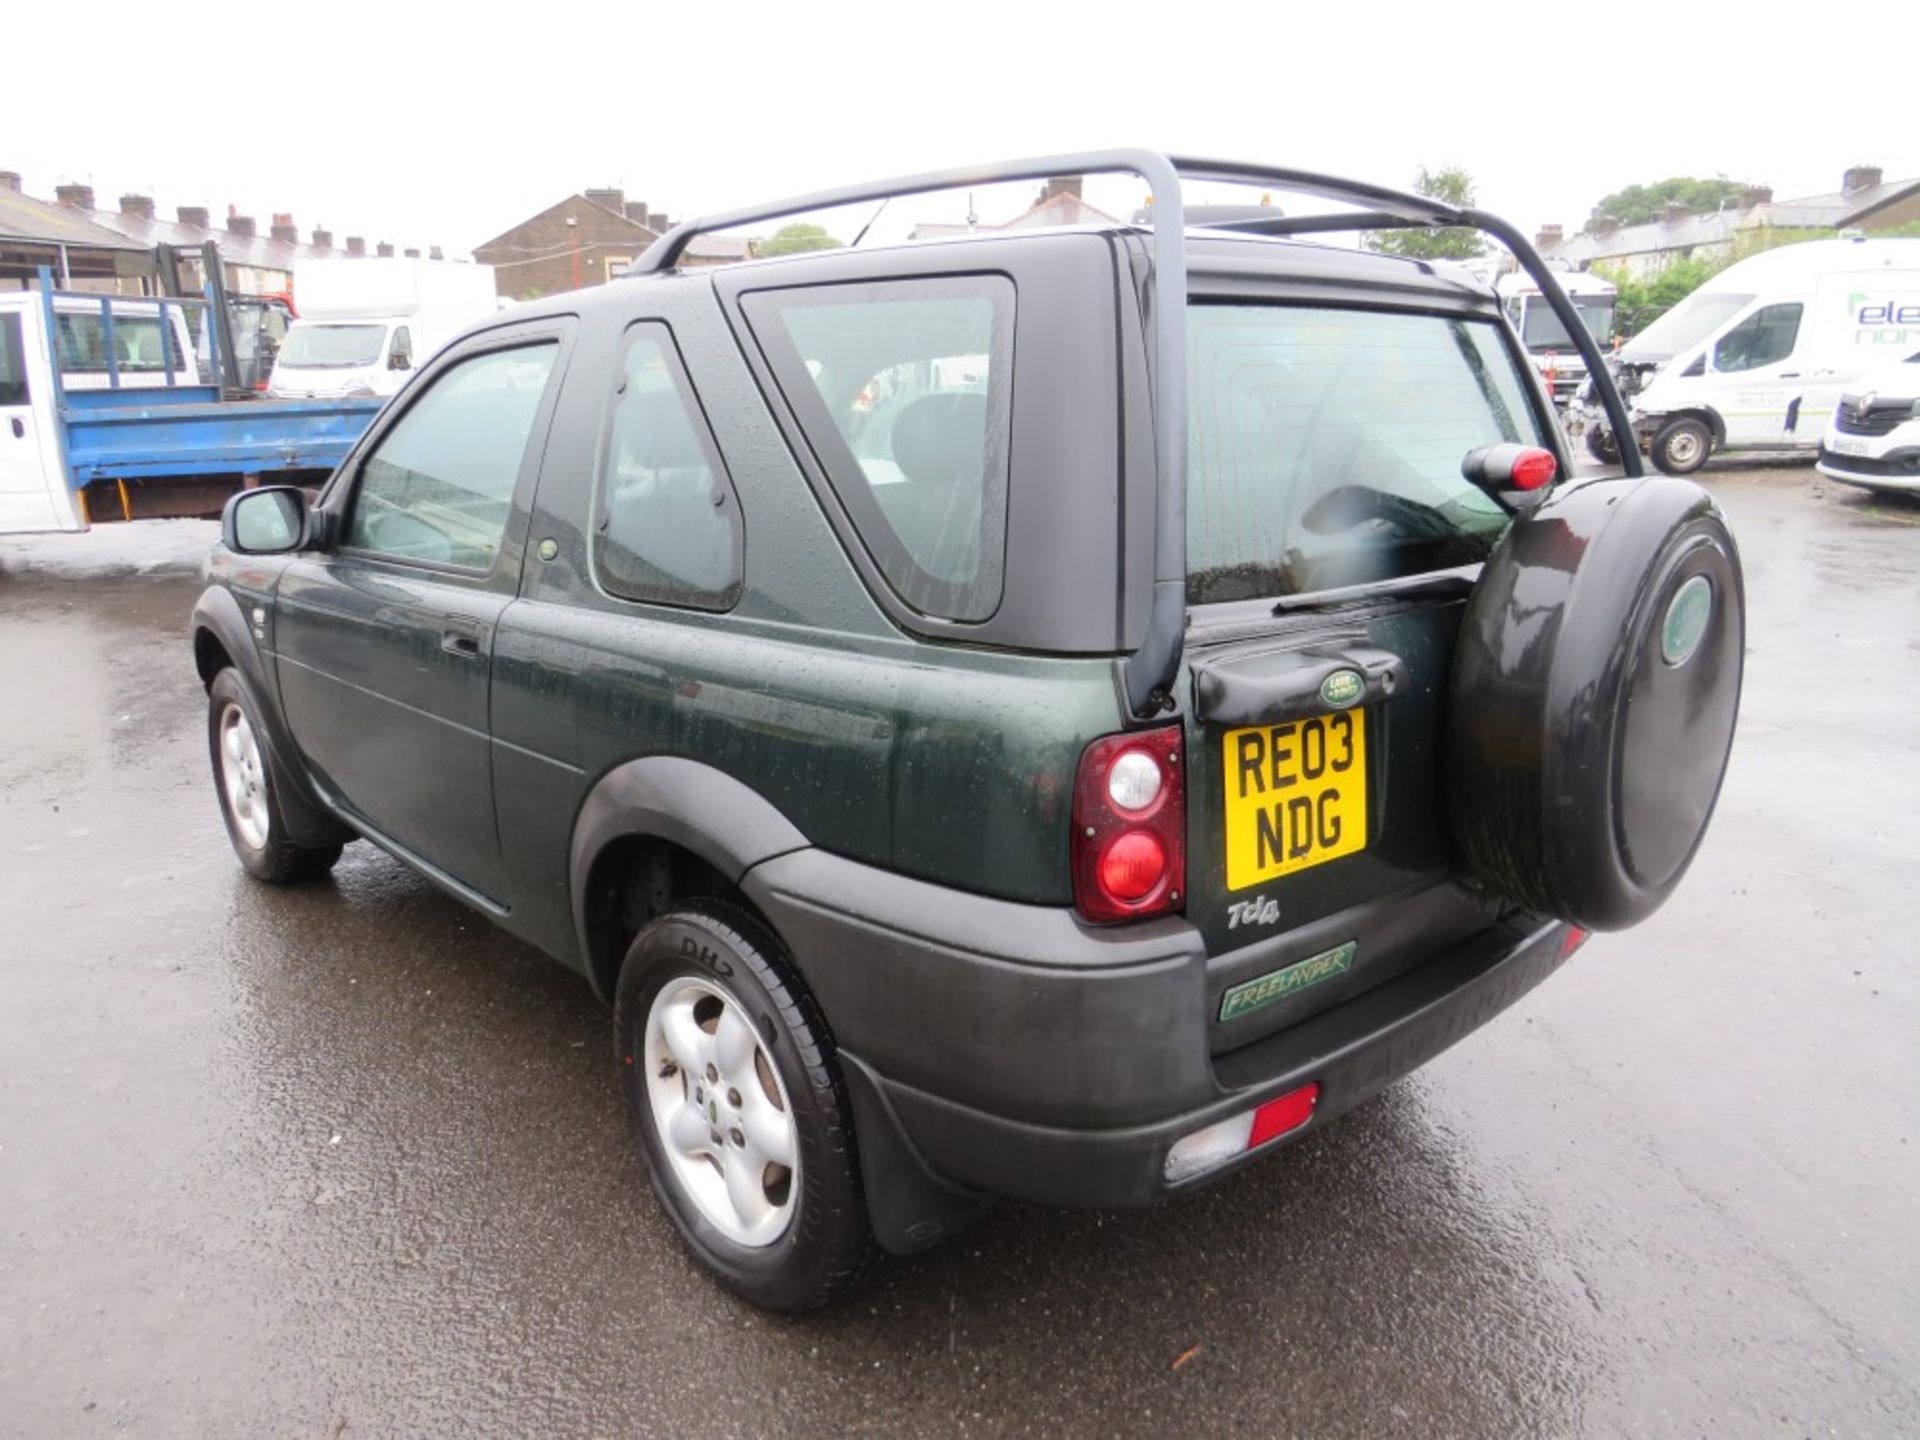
{"x":1149,"y":673}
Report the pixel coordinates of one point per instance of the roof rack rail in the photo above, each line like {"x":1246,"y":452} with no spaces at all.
{"x":1148,"y":674}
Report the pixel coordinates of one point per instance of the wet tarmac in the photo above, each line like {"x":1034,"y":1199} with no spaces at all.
{"x":343,"y":1160}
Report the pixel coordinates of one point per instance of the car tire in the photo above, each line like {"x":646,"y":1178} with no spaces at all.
{"x":243,"y":780}
{"x":1600,"y":444}
{"x":725,"y":1059}
{"x":1682,"y":446}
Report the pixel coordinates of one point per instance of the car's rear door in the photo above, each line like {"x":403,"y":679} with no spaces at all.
{"x":384,"y":639}
{"x":1331,"y":545}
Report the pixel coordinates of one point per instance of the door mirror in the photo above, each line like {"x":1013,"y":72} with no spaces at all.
{"x":269,"y":521}
{"x":399,"y":360}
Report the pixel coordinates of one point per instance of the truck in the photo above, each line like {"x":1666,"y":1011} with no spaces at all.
{"x":365,"y":323}
{"x":1756,"y":359}
{"x":1552,"y":350}
{"x":105,"y":399}
{"x":1051,"y":714}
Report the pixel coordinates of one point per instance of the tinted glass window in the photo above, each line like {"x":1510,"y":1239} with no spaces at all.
{"x":14,"y":389}
{"x":439,"y":484}
{"x":1325,"y":446}
{"x":903,"y":391}
{"x":82,"y":344}
{"x":669,"y":523}
{"x":402,"y":347}
{"x":1762,"y":338}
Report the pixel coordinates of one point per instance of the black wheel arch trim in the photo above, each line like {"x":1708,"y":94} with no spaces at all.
{"x":706,"y":811}
{"x":309,"y":822}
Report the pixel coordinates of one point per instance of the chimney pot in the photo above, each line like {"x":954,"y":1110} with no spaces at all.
{"x":356,"y":245}
{"x":193,"y":216}
{"x":433,"y":253}
{"x":284,"y":230}
{"x":1061,"y":185}
{"x":1549,"y":236}
{"x":241,"y":225}
{"x":140,"y":207}
{"x":660,"y":224}
{"x":383,"y":250}
{"x":80,"y":197}
{"x":1671,"y":211}
{"x":411,"y":254}
{"x":9,"y":180}
{"x":1756,"y":195}
{"x":1860,"y":177}
{"x":614,"y":200}
{"x":637,"y":212}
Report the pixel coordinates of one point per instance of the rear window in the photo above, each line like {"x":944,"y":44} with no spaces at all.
{"x":138,"y":344}
{"x":902,"y":389}
{"x":1325,"y":446}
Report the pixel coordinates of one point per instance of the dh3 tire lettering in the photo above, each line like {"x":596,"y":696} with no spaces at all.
{"x":697,"y":950}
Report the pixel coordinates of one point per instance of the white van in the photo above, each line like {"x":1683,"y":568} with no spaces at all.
{"x":367,"y":322}
{"x":1873,"y":439}
{"x":1756,"y":359}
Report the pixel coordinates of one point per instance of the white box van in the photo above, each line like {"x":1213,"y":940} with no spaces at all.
{"x":367,"y":322}
{"x":1757,"y":358}
{"x":1873,"y":439}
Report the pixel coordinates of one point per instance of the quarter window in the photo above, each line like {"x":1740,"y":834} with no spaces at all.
{"x":669,"y":526}
{"x":903,"y":390}
{"x":1762,"y":338}
{"x":438,"y":486}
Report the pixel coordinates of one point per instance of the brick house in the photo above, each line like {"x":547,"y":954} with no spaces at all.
{"x":588,"y":238}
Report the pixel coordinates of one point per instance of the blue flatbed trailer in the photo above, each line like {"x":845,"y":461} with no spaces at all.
{"x":145,"y":435}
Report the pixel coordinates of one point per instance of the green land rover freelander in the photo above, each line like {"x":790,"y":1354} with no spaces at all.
{"x":1046,"y":713}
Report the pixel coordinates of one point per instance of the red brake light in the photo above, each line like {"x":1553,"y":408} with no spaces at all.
{"x":1533,"y":468}
{"x":1129,"y":861}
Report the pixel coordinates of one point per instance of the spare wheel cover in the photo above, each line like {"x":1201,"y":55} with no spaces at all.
{"x":1596,"y":685}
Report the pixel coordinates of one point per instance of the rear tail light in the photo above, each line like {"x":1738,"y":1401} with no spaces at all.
{"x":1129,"y":853}
{"x":1228,"y":1139}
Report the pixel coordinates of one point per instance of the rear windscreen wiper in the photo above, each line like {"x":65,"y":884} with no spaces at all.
{"x":1435,"y":585}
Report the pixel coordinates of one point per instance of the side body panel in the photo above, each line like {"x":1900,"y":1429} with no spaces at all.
{"x":955,"y":763}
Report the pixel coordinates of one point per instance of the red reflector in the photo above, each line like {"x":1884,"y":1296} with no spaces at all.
{"x":1277,"y":1117}
{"x":1533,"y":468}
{"x":1132,"y":865}
{"x":1573,"y":940}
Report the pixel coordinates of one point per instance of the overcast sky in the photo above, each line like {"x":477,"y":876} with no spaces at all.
{"x":446,"y":125}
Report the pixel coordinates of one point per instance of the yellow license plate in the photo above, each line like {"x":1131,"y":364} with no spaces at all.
{"x":1296,"y":795}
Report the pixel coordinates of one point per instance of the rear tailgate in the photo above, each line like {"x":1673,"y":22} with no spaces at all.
{"x":1317,"y":863}
{"x":1331,"y":541}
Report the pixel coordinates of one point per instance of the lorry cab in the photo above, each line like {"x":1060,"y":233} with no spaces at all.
{"x":114,"y":343}
{"x":1546,"y":340}
{"x":1758,"y":357}
{"x":366,"y":324}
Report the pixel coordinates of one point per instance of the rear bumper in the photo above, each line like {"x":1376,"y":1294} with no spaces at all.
{"x":1007,"y":1050}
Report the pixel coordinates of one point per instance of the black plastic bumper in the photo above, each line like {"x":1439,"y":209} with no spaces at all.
{"x":995,"y":1049}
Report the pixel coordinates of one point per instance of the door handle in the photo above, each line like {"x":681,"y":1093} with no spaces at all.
{"x":19,"y":428}
{"x":1789,"y":374}
{"x":462,"y":641}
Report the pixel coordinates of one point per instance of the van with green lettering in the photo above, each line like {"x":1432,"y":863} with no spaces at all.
{"x":1051,"y":714}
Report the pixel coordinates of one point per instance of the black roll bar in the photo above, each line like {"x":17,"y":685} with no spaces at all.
{"x":1148,"y":674}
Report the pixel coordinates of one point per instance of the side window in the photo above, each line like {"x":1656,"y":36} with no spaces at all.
{"x":439,"y":484}
{"x":668,"y":526}
{"x":1762,"y":338}
{"x":81,"y":341}
{"x":400,"y":355}
{"x":904,"y":391}
{"x":14,"y":389}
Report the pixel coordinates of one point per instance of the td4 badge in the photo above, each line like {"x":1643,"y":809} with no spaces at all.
{"x":1258,"y":911}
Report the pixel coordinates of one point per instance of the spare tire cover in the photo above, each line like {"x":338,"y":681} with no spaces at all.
{"x":1595,"y":687}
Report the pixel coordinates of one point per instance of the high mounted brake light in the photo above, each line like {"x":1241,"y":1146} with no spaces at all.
{"x":1130,"y":826}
